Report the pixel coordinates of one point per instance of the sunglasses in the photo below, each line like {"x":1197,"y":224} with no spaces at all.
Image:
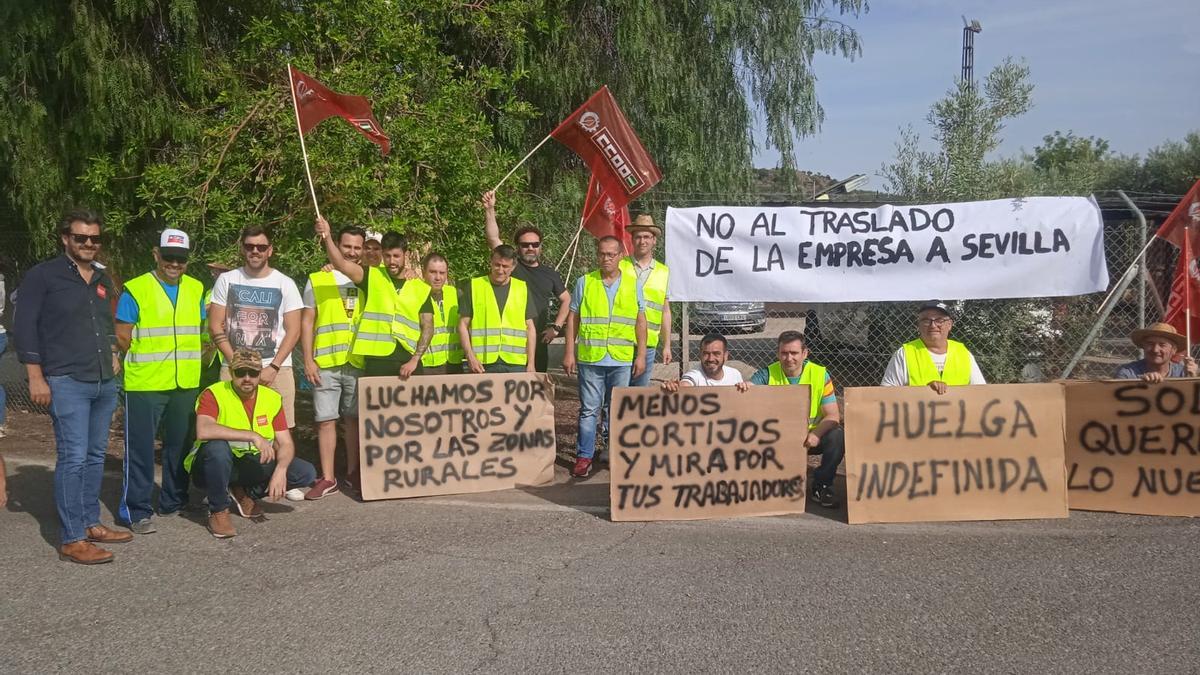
{"x":529,"y":244}
{"x":941,"y":321}
{"x":256,"y":248}
{"x":81,"y":239}
{"x":178,"y":259}
{"x":245,"y":372}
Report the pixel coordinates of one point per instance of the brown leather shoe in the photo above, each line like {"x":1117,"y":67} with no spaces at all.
{"x":220,"y":525}
{"x":84,"y":553}
{"x":246,"y":507}
{"x":102,"y":534}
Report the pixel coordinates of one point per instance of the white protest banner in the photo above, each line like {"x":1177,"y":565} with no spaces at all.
{"x":450,"y":434}
{"x":1007,"y":248}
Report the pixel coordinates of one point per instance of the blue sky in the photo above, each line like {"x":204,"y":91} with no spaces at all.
{"x":1125,"y":70}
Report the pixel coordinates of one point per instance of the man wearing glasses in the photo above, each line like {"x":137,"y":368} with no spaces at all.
{"x":545,"y":283}
{"x":65,"y":337}
{"x":933,"y":359}
{"x":607,"y":321}
{"x":159,"y":317}
{"x":243,"y":448}
{"x":256,"y":307}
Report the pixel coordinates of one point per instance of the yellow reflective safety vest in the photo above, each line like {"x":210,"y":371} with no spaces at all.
{"x":602,"y":331}
{"x":813,"y":376}
{"x":374,"y":336}
{"x":337,"y":314}
{"x":232,"y":413}
{"x":406,"y":322}
{"x":164,"y":353}
{"x":921,"y":371}
{"x":654,"y":292}
{"x":496,"y":337}
{"x":445,"y":347}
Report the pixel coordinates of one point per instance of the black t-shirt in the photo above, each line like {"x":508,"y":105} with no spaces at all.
{"x":545,"y":284}
{"x":465,"y":308}
{"x":365,"y":283}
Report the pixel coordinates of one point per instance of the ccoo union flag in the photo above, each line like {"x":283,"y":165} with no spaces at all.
{"x":599,"y":133}
{"x":603,"y":216}
{"x":315,"y":103}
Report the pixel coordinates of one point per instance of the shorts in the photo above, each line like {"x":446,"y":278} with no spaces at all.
{"x":285,"y":384}
{"x":337,"y":394}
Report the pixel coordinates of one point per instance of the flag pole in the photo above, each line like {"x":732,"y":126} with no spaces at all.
{"x":303,"y":150}
{"x":523,"y":160}
{"x":1187,"y":286}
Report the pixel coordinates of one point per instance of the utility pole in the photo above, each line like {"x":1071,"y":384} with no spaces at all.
{"x":968,"y":51}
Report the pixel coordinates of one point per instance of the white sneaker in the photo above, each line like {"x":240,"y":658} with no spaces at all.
{"x":295,"y":495}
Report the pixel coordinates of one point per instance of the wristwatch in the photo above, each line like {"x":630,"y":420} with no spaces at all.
{"x":272,"y":365}
{"x":557,"y":328}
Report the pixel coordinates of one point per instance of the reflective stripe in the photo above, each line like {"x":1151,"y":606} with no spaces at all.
{"x":624,"y":320}
{"x":155,"y":332}
{"x":512,"y":333}
{"x":593,"y":319}
{"x":654,"y":305}
{"x":408,"y":322}
{"x":377,"y":316}
{"x":653,"y":326}
{"x":153,"y":357}
{"x":511,"y":349}
{"x":332,"y":349}
{"x":375,"y":337}
{"x":433,"y":349}
{"x":332,"y":328}
{"x":485,"y":332}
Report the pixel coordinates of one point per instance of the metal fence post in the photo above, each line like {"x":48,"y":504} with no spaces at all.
{"x":685,"y":330}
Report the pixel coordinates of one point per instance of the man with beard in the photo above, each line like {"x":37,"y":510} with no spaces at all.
{"x":65,"y":337}
{"x":441,"y":352}
{"x":327,"y":323}
{"x":159,"y":318}
{"x":1159,"y":342}
{"x":652,"y":276}
{"x":545,"y":283}
{"x":714,"y":352}
{"x":257,"y":307}
{"x":496,"y":319}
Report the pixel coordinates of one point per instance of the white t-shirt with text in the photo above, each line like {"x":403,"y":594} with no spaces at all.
{"x":254,"y":310}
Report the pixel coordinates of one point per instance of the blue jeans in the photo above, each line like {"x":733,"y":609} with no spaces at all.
{"x":595,"y":386}
{"x":643,"y":380}
{"x":81,"y":413}
{"x":3,"y":395}
{"x":215,"y":469}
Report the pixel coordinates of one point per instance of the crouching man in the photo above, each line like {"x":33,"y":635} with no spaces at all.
{"x":243,"y":448}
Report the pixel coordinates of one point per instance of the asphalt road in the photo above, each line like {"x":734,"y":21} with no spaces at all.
{"x":541,"y":581}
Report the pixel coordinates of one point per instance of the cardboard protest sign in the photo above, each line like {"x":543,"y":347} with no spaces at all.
{"x":707,"y":452}
{"x":1134,"y":447}
{"x":1005,"y":248}
{"x":442,"y":435}
{"x":990,"y":452}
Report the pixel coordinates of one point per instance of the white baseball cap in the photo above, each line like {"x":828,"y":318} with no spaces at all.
{"x":374,"y":236}
{"x":174,"y":242}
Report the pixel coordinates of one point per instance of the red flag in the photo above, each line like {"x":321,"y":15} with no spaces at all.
{"x":599,"y":133}
{"x":1185,"y":288}
{"x":604,"y":216}
{"x":315,"y":103}
{"x":1187,"y":211}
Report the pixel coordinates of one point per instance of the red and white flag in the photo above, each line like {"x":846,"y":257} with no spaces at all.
{"x":604,"y":216}
{"x":1184,"y":301}
{"x":599,"y":133}
{"x":315,"y":103}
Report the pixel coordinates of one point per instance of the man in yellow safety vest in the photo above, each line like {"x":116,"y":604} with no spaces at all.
{"x":158,"y":325}
{"x":496,"y":319}
{"x":243,"y":447}
{"x":606,"y":340}
{"x":438,"y":346}
{"x":933,"y":359}
{"x":327,"y":323}
{"x":652,"y":276}
{"x":825,"y":436}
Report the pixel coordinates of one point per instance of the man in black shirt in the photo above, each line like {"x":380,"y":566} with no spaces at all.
{"x":66,"y":338}
{"x":545,"y":283}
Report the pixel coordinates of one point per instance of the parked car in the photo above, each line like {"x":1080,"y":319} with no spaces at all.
{"x":727,"y":317}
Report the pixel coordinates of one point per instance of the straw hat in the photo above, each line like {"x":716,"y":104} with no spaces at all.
{"x":645,"y":223}
{"x":1161,"y":330}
